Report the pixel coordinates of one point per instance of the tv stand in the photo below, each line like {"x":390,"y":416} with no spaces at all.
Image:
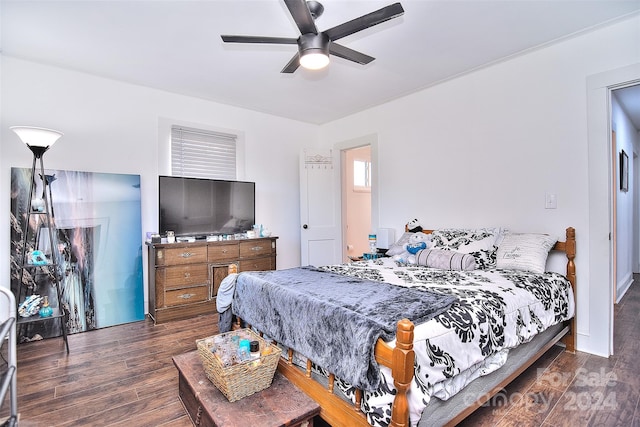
{"x":184,"y":277}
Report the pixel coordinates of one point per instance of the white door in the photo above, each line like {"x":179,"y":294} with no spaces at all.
{"x":319,"y":208}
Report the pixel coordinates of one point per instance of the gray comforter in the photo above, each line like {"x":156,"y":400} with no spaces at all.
{"x":333,"y":320}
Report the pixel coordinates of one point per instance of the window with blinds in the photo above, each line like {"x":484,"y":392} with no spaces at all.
{"x":197,"y":153}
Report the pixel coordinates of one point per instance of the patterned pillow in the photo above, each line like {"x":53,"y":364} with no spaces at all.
{"x":445,"y":259}
{"x":527,"y":252}
{"x":482,"y":243}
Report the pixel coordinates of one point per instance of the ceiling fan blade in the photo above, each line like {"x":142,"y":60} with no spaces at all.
{"x":350,"y":54}
{"x":292,"y":65}
{"x":365,"y":21}
{"x":302,"y":16}
{"x":259,"y":39}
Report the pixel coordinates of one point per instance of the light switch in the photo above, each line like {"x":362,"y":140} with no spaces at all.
{"x":550,"y":201}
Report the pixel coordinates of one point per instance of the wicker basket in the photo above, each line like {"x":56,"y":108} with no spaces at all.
{"x":242,"y":379}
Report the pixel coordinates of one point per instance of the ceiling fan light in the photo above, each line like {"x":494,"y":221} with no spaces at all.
{"x":314,"y":60}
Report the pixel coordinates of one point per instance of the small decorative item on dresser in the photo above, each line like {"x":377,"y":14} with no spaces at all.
{"x":45,"y":310}
{"x":171,"y":237}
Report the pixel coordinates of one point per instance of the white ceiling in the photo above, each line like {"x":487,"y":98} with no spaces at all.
{"x":176,"y":46}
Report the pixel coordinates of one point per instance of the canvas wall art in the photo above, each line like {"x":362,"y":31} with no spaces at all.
{"x":98,"y":249}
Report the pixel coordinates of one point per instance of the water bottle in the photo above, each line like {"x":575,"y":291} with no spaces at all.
{"x":372,"y":244}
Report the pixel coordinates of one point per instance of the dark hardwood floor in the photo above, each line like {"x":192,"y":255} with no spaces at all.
{"x":117,"y":376}
{"x":124,"y":376}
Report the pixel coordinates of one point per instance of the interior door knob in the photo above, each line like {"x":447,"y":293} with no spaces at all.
{"x":305,"y":226}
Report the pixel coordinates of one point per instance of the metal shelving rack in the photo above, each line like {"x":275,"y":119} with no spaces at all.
{"x":43,"y":219}
{"x":8,"y":381}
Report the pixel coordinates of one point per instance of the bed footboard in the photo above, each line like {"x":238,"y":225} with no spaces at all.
{"x":334,"y":409}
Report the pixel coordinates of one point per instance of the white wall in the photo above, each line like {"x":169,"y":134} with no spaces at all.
{"x":114,"y":127}
{"x":627,"y":140}
{"x":502,"y":137}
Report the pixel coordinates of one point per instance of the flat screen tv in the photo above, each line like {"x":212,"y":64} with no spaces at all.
{"x":197,"y":207}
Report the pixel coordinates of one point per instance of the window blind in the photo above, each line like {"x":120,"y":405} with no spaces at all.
{"x":198,"y":153}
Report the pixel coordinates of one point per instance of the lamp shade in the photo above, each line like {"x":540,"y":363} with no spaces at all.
{"x":37,"y":137}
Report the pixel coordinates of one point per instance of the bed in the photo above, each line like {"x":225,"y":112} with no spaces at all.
{"x":498,"y":313}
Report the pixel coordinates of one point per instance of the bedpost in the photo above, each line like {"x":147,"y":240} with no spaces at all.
{"x":570,"y":249}
{"x":402,"y":370}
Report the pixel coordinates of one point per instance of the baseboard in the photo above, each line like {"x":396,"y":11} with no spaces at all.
{"x":623,"y":288}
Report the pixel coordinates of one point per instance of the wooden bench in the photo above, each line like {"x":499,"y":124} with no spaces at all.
{"x":282,"y":404}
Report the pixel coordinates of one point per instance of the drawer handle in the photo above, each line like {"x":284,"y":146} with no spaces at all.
{"x":224,"y":251}
{"x":186,"y":296}
{"x":256,"y":248}
{"x":187,"y":254}
{"x":187,"y":275}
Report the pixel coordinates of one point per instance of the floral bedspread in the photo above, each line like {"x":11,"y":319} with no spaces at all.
{"x":496,"y":310}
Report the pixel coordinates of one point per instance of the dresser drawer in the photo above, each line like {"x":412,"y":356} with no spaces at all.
{"x":258,"y":264}
{"x":255,"y":248}
{"x":219,"y":253}
{"x":187,"y":295}
{"x":182,"y":275}
{"x":183,"y":255}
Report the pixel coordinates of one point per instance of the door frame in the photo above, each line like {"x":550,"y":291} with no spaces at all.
{"x":595,"y":331}
{"x":372,"y":141}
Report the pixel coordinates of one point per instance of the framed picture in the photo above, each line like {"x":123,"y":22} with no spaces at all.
{"x":624,"y":171}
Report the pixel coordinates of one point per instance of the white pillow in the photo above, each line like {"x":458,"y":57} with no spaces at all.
{"x":524,"y":251}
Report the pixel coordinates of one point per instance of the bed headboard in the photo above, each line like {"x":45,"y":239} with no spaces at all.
{"x":568,"y":246}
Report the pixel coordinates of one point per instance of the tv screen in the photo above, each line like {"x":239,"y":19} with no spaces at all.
{"x":201,"y":207}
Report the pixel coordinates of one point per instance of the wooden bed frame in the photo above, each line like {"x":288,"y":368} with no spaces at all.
{"x":400,"y":359}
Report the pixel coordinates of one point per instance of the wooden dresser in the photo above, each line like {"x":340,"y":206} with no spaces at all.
{"x":184,"y":277}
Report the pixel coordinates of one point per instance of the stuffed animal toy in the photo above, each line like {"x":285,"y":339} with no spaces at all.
{"x":414,"y":226}
{"x":416,"y":243}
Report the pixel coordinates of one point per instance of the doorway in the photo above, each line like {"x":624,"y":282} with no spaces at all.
{"x":356,"y":194}
{"x":595,"y":293}
{"x":625,"y":125}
